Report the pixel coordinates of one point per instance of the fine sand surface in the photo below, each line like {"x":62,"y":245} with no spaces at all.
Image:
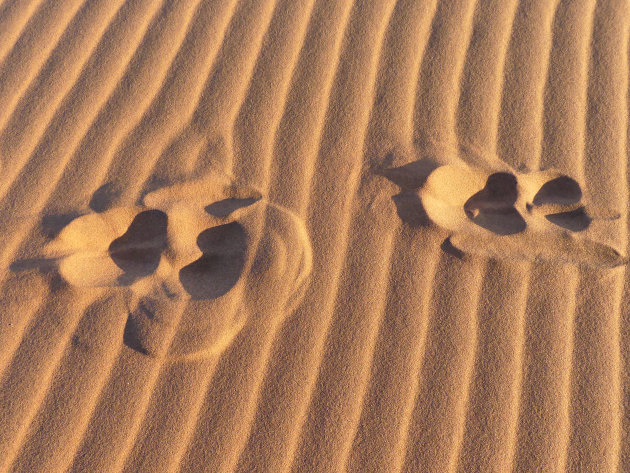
{"x":294,"y":236}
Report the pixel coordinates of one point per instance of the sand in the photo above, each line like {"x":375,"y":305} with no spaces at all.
{"x":291,"y":236}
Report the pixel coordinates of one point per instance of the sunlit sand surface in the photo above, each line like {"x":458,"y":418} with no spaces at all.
{"x":314,"y":236}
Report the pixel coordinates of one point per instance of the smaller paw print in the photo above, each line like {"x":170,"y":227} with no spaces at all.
{"x":531,"y":215}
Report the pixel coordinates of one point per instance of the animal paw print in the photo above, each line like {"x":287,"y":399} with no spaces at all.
{"x":559,"y":200}
{"x":531,"y":215}
{"x":506,"y":203}
{"x":173,"y":237}
{"x":192,"y":248}
{"x":494,"y":206}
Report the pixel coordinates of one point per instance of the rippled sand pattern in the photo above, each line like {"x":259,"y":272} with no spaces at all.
{"x":332,"y":326}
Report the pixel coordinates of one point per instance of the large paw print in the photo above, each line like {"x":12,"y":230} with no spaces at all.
{"x":175,"y":241}
{"x":198,"y":242}
{"x":534,"y":216}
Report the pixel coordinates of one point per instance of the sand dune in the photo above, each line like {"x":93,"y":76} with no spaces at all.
{"x":325,"y":236}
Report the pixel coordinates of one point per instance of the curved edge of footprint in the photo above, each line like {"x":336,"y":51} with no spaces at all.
{"x":305,"y":264}
{"x":282,"y":263}
{"x":446,"y":191}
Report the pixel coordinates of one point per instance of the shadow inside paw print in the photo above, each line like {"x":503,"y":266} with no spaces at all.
{"x":138,"y":251}
{"x":173,"y":253}
{"x":575,"y":220}
{"x":223,"y":248}
{"x":560,"y":193}
{"x":493,"y":206}
{"x":496,"y":211}
{"x":220,"y":267}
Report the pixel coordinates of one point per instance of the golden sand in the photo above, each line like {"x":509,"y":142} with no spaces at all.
{"x":299,"y":236}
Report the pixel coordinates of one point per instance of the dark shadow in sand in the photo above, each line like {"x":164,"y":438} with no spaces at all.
{"x":564,"y":191}
{"x":225,"y":207}
{"x":561,"y":190}
{"x":448,"y":248}
{"x":576,"y":220}
{"x":104,"y":197}
{"x":51,"y":225}
{"x":220,"y":267}
{"x":410,"y":209}
{"x":493,"y":206}
{"x":132,"y":334}
{"x":409,"y":178}
{"x":45,"y":265}
{"x":139,"y":250}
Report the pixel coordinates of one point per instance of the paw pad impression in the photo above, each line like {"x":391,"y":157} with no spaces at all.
{"x":534,"y":216}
